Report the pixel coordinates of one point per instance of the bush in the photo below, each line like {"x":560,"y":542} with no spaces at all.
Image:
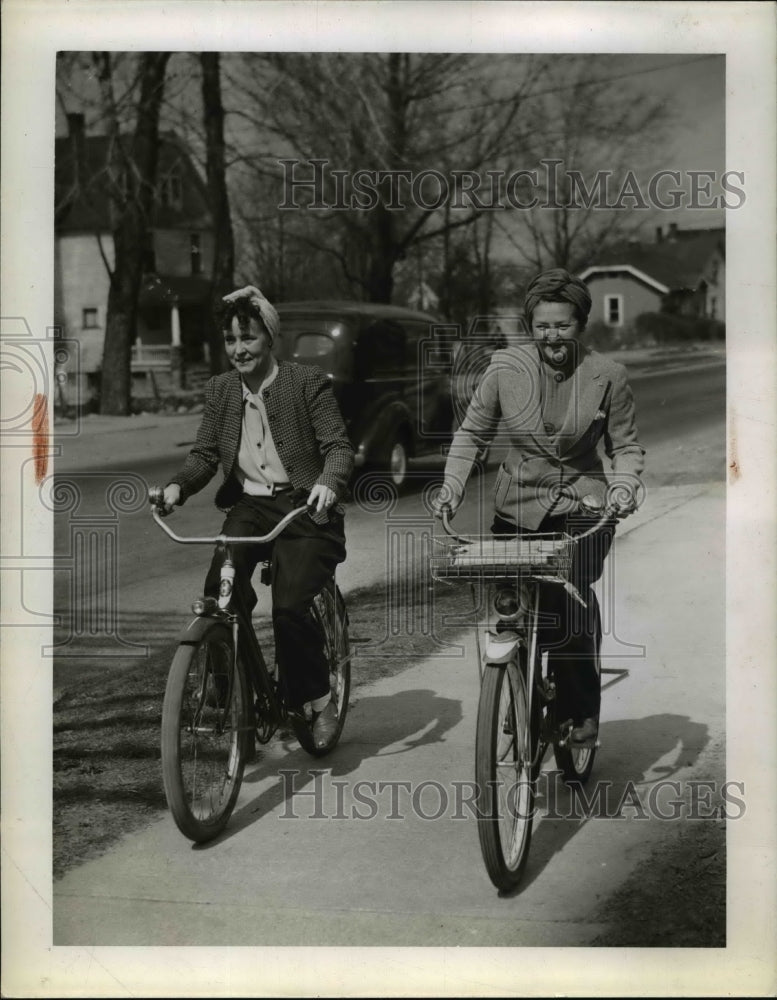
{"x":666,"y":327}
{"x":601,"y":337}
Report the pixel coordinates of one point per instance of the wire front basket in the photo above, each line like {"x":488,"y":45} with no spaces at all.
{"x":490,"y":557}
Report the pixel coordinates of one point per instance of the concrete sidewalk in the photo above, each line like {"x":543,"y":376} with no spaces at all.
{"x":375,"y":845}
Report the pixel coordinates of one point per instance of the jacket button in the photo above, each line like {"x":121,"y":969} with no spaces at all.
{"x":279,"y":444}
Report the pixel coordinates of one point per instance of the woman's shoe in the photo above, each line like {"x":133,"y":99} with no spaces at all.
{"x":586,"y":731}
{"x":325,"y":726}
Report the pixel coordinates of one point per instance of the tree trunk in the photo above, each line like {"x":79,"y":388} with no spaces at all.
{"x":224,"y":248}
{"x":135,"y":198}
{"x":383,"y":256}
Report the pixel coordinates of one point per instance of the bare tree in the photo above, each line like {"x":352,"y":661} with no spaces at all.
{"x":590,"y":160}
{"x":131,"y":167}
{"x":394,"y":117}
{"x":218,"y":195}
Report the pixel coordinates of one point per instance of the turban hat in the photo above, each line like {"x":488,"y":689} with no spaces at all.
{"x":558,"y":285}
{"x":245,"y":306}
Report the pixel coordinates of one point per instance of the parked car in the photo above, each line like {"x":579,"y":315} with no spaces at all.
{"x":390,"y":369}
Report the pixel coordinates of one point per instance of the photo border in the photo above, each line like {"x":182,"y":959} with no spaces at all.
{"x":33,"y":31}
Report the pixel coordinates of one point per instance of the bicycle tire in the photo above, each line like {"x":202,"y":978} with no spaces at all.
{"x":505,"y":745}
{"x":206,"y":726}
{"x":575,"y":763}
{"x":331,"y":615}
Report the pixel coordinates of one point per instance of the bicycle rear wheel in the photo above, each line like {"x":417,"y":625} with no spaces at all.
{"x":575,"y":763}
{"x":206,"y":727}
{"x":506,"y":780}
{"x":331,"y":614}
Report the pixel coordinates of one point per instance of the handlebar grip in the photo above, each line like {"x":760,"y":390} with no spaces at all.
{"x":156,"y":496}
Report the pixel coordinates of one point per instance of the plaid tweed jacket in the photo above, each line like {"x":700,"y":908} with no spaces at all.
{"x":306,"y":426}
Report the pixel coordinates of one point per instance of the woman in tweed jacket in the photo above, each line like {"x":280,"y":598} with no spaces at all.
{"x":554,"y":402}
{"x":277,"y":433}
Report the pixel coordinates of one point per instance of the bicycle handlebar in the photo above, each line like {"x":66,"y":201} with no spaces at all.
{"x":155,"y":497}
{"x":606,"y":513}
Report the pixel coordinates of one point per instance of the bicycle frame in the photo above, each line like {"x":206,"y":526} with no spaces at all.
{"x":243,"y":634}
{"x":526,"y":632}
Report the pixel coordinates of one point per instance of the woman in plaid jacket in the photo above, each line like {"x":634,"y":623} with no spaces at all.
{"x":277,"y":433}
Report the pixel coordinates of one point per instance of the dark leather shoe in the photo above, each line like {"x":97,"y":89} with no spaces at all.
{"x":586,"y":731}
{"x":325,"y":726}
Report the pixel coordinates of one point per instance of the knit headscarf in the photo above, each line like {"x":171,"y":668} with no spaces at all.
{"x":558,"y":285}
{"x":258,"y":307}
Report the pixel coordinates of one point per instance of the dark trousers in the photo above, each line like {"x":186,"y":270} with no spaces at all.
{"x":304,"y":558}
{"x":572,"y":634}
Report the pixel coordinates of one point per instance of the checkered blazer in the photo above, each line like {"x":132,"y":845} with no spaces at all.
{"x":305,"y":423}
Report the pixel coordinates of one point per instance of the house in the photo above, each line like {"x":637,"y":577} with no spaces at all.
{"x":682,"y":272}
{"x":175,"y":291}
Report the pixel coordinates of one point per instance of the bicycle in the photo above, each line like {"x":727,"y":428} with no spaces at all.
{"x":517,"y":719}
{"x":221,"y":697}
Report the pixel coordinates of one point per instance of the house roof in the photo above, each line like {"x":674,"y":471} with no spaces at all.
{"x":675,"y":263}
{"x":81,"y":191}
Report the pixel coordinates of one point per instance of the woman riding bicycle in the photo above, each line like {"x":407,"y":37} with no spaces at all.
{"x":554,"y":400}
{"x":276,"y":430}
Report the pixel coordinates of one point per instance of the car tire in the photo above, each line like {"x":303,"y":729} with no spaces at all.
{"x":397,"y":463}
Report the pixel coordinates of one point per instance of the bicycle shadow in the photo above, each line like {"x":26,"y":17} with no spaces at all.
{"x":631,"y":754}
{"x":396,"y":724}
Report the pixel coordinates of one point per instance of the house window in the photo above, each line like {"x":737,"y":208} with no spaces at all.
{"x":613,"y":310}
{"x":196,"y":254}
{"x":171,"y":188}
{"x":89,"y":319}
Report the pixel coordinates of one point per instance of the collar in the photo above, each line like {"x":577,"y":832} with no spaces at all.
{"x":247,"y":394}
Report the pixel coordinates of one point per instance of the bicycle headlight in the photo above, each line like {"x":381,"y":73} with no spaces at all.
{"x":205,"y":606}
{"x":511,"y":601}
{"x":506,"y":602}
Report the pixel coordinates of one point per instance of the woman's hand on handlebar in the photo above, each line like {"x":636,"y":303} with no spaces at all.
{"x":622,"y":499}
{"x":321,"y":497}
{"x":445,"y":500}
{"x":165,"y":499}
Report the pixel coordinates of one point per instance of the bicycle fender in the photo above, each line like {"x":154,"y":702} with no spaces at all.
{"x":198,"y":627}
{"x":500,"y":648}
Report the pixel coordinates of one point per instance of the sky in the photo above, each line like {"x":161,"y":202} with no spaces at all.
{"x":694,"y":88}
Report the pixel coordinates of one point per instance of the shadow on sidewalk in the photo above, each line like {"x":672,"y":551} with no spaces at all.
{"x":627,"y":766}
{"x":411,"y":719}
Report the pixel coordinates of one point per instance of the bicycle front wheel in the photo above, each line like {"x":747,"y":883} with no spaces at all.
{"x":206,"y":728}
{"x":505,"y":777}
{"x":331,"y":614}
